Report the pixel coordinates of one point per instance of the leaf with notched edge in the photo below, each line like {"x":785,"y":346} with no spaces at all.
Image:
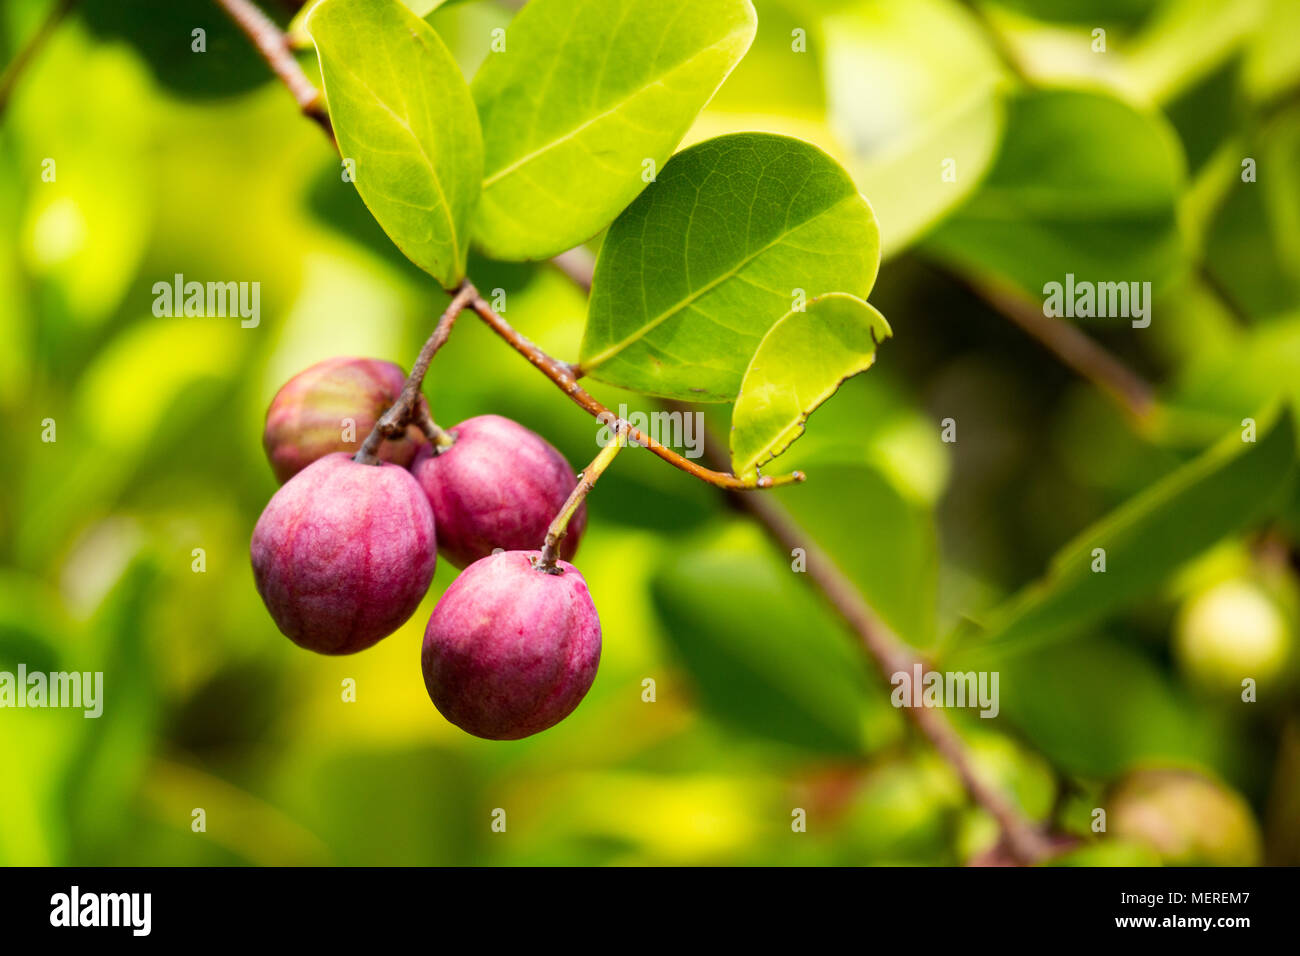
{"x":800,"y":363}
{"x":693,"y":274}
{"x":402,"y":111}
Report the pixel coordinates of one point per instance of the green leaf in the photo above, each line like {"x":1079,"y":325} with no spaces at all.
{"x":1084,"y":184}
{"x":907,"y":117}
{"x":763,"y":653}
{"x":1152,"y":535}
{"x":692,"y":275}
{"x":884,"y":540}
{"x":298,"y":24}
{"x":800,"y":363}
{"x":402,"y":111}
{"x":1253,"y":245}
{"x":583,"y":95}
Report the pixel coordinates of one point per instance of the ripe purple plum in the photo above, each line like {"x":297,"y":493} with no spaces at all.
{"x":344,"y":553}
{"x":497,"y":487}
{"x":511,"y":649}
{"x":331,"y":407}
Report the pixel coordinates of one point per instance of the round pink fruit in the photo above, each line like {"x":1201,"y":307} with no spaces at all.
{"x":344,"y":553}
{"x":331,"y":407}
{"x":498,"y":486}
{"x":511,"y":650}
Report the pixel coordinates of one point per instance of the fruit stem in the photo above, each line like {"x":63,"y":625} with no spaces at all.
{"x":586,"y":481}
{"x":442,"y":439}
{"x":404,"y":411}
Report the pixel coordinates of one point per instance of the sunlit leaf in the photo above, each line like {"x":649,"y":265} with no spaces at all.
{"x":587,"y":100}
{"x":692,"y":275}
{"x":800,"y":363}
{"x":923,"y":121}
{"x":402,"y":112}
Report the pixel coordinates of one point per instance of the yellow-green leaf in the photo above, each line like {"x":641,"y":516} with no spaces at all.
{"x":801,"y":362}
{"x":404,"y":118}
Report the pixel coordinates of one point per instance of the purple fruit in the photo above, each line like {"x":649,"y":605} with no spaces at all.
{"x":331,"y":407}
{"x":498,"y":486}
{"x":511,"y":650}
{"x":344,"y":553}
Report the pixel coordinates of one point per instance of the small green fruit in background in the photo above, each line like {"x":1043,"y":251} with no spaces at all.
{"x":1236,"y":629}
{"x":1184,"y":816}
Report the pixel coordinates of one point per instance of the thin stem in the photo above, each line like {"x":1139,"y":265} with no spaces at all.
{"x":1024,"y":842}
{"x":424,"y":421}
{"x":565,"y":378}
{"x":1075,"y":350}
{"x":1022,"y":838}
{"x":274,"y":46}
{"x":559,"y":527}
{"x":24,"y":57}
{"x":578,"y":264}
{"x":271,"y":41}
{"x":394,"y":421}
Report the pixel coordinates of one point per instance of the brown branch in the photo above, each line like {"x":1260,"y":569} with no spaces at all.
{"x":23,"y":58}
{"x":565,"y":378}
{"x":1075,"y":350}
{"x":274,"y":47}
{"x":270,"y":40}
{"x":1022,"y":839}
{"x":406,"y":409}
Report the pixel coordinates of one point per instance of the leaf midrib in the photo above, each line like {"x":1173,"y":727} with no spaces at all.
{"x":613,"y":350}
{"x":657,"y":80}
{"x":428,"y":161}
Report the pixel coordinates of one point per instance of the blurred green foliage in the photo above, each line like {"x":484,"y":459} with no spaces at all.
{"x":1121,"y":165}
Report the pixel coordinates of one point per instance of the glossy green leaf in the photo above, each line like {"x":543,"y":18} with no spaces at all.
{"x":800,"y":363}
{"x":693,"y":274}
{"x":923,"y":127}
{"x":1152,"y":535}
{"x":402,"y":112}
{"x":585,"y":94}
{"x":762,"y":652}
{"x":1085,"y":185}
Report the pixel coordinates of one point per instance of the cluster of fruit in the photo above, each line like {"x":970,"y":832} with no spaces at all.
{"x":345,"y":551}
